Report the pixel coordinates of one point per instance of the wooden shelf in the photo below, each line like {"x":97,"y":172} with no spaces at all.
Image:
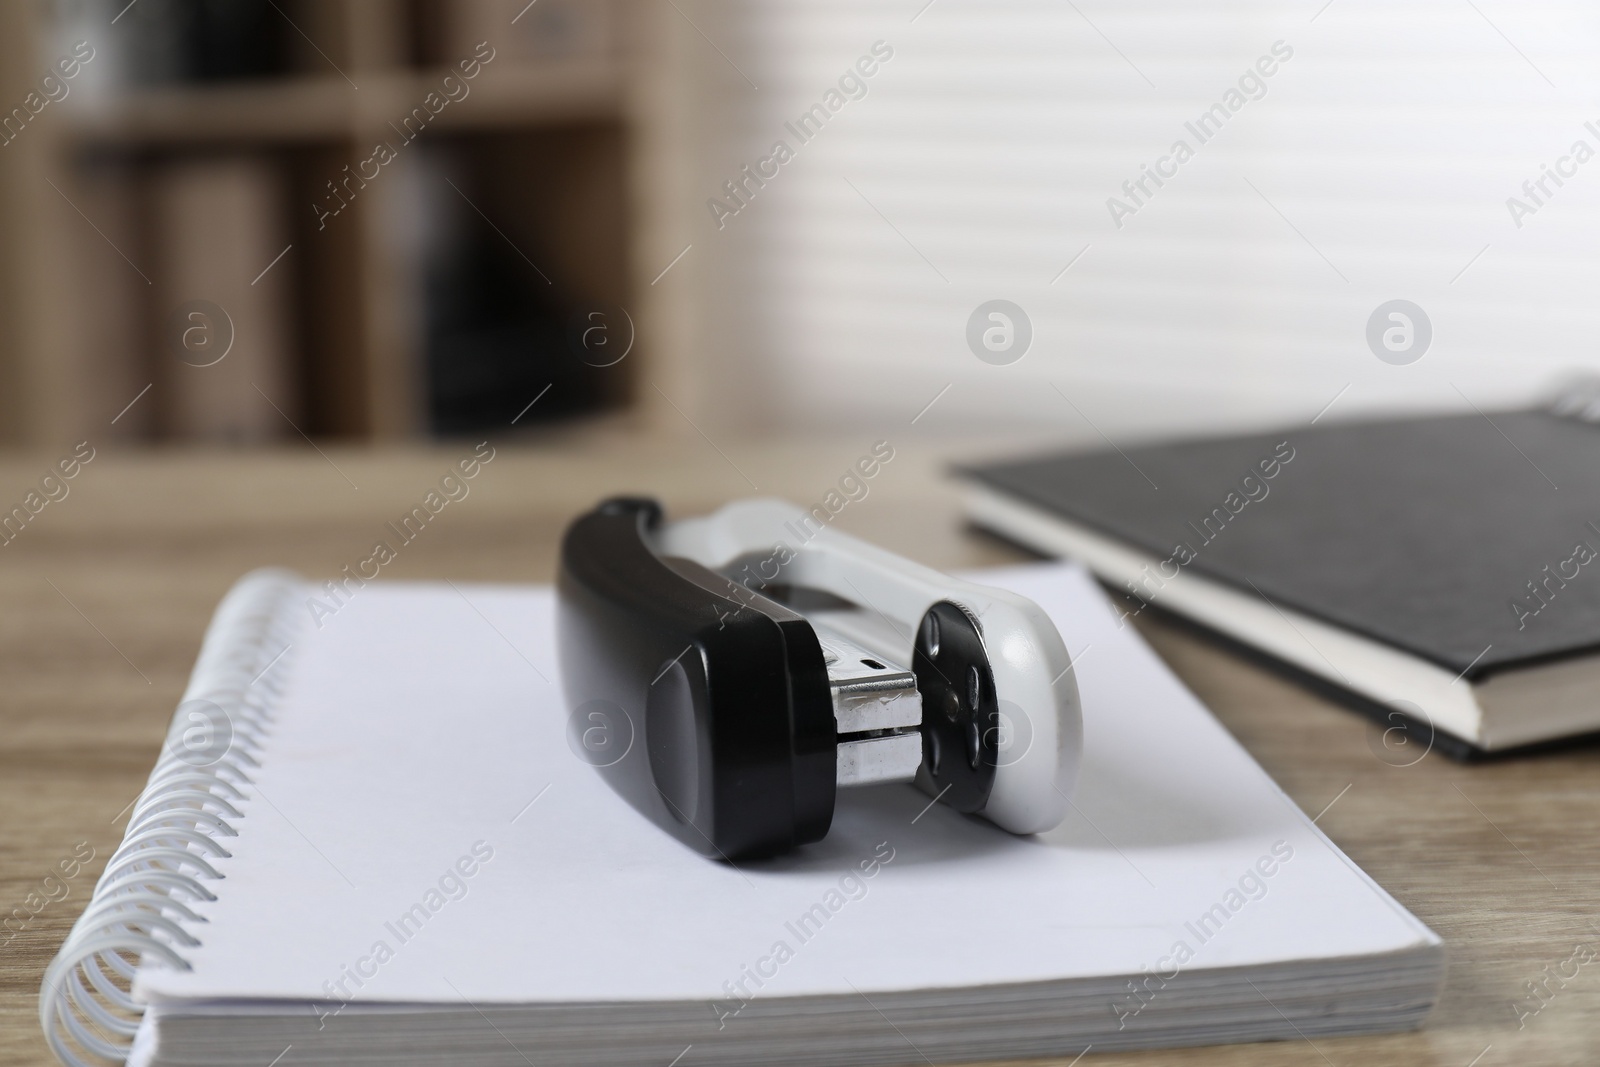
{"x":316,"y":108}
{"x":521,"y":96}
{"x":295,"y":109}
{"x":108,"y":195}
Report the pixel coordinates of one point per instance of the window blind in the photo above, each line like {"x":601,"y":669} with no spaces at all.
{"x":1199,"y":207}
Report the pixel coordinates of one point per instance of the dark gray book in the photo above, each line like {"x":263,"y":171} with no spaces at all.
{"x":1443,"y":569}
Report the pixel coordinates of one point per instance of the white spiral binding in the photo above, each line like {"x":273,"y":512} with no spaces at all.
{"x":143,"y":905}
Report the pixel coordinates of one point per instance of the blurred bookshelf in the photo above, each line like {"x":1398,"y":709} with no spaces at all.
{"x":360,"y":220}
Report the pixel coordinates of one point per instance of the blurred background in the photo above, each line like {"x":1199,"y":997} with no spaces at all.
{"x":246,"y":221}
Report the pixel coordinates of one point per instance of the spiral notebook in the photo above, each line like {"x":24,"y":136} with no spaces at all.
{"x":368,"y":840}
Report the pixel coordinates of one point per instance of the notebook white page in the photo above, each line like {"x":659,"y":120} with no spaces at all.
{"x":422,"y":719}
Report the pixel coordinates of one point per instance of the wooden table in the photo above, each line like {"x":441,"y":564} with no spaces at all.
{"x":107,"y":591}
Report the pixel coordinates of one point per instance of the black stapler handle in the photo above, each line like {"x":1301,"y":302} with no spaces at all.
{"x":722,"y":694}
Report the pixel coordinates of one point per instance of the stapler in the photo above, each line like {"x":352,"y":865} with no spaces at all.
{"x":727,"y":675}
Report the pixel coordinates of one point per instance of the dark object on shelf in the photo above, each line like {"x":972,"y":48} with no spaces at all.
{"x":237,"y":39}
{"x":496,"y":342}
{"x":174,"y":41}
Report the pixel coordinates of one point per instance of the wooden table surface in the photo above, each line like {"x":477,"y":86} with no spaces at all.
{"x":107,"y":591}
